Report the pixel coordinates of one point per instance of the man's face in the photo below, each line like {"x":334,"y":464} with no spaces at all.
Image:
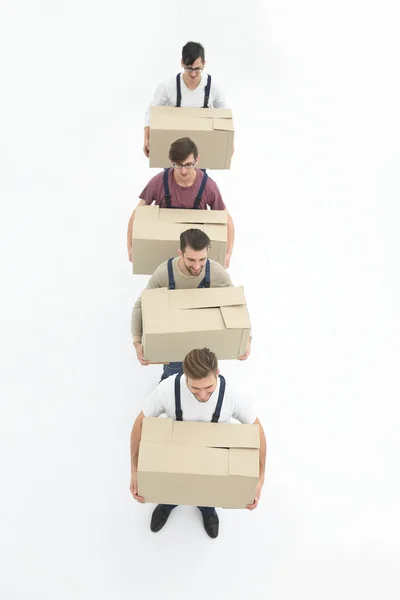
{"x":193,"y":72}
{"x":184,"y":170}
{"x":194,"y":260}
{"x":203,"y":388}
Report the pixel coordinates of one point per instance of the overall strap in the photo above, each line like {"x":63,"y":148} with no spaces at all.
{"x":217,"y":413}
{"x":178,"y":406}
{"x":171,"y":280}
{"x":201,"y":190}
{"x":178,"y":91}
{"x":207,"y":92}
{"x":206,"y":282}
{"x":166,"y":189}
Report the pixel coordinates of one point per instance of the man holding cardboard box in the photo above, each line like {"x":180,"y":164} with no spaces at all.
{"x":190,"y":269}
{"x":183,"y":186}
{"x":192,"y":89}
{"x":199,"y":394}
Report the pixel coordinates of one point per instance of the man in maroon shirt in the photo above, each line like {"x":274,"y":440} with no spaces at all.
{"x":183,"y":186}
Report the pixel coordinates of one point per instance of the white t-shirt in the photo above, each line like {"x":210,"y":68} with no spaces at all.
{"x":235,"y":404}
{"x":165,"y":95}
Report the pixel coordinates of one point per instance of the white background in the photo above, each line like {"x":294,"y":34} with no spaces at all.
{"x":314,"y":193}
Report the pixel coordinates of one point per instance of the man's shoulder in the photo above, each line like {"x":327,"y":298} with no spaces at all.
{"x":218,"y":270}
{"x":169,"y":82}
{"x":211,"y":183}
{"x":166,"y":388}
{"x":160,"y":275}
{"x":216,"y":266}
{"x":156,"y":179}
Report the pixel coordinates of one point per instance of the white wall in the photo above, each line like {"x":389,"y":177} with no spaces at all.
{"x":314,"y":87}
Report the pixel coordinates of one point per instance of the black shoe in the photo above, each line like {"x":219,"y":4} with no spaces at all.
{"x":211,"y":524}
{"x":159,"y":517}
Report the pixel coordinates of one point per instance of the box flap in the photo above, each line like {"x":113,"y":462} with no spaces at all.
{"x":216,"y":233}
{"x":184,"y":215}
{"x":148,"y":213}
{"x":170,"y":458}
{"x":223,"y":125}
{"x":156,"y":429}
{"x":198,"y":113}
{"x":206,"y":297}
{"x":244,"y":462}
{"x":216,"y":435}
{"x":236,"y":317}
{"x":184,"y":311}
{"x":185,"y":321}
{"x":180,"y":122}
{"x":157,"y":231}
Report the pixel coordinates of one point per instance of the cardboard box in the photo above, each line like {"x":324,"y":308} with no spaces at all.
{"x":156,"y":231}
{"x":200,"y":464}
{"x":177,"y":321}
{"x":210,"y":129}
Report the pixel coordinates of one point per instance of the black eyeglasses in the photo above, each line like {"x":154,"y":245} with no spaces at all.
{"x":195,"y":70}
{"x":180,"y":166}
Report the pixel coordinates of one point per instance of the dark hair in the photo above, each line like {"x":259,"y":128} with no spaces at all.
{"x":191,"y":52}
{"x":195,"y":238}
{"x":200,"y":363}
{"x":181,"y":149}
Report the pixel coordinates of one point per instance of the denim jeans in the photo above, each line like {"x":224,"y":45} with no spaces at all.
{"x":206,"y":510}
{"x":172,"y":368}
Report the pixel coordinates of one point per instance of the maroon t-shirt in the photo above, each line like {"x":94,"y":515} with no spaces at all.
{"x":182,"y":197}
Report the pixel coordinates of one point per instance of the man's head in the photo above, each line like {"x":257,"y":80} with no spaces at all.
{"x":193,"y":60}
{"x":184,"y":156}
{"x":201,"y":371}
{"x":194,"y":250}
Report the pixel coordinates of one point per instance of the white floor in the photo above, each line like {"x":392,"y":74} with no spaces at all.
{"x":314,"y":194}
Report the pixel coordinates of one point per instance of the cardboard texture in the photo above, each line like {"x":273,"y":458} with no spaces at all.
{"x":200,"y":464}
{"x":176,"y":321}
{"x":156,"y":231}
{"x":210,"y":129}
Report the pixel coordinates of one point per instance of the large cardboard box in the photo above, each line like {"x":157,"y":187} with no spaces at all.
{"x":177,"y":321}
{"x":156,"y":231}
{"x":210,"y":129}
{"x":200,"y":464}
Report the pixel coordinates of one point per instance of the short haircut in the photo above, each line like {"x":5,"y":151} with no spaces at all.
{"x":200,"y":363}
{"x":195,"y":238}
{"x":191,"y":52}
{"x":181,"y":149}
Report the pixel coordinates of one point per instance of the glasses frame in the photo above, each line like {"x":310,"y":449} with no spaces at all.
{"x":188,"y":166}
{"x":195,"y":70}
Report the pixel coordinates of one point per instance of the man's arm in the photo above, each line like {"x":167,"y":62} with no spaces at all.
{"x":219,"y":100}
{"x":160,"y":98}
{"x":130,"y":227}
{"x":263,"y":457}
{"x":146,"y":141}
{"x":263,"y":450}
{"x":231,"y":240}
{"x":136,"y":436}
{"x":220,"y":278}
{"x":159,"y":279}
{"x":215,"y":202}
{"x":154,"y":406}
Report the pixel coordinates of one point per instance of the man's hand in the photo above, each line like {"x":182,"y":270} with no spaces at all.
{"x":146,"y":147}
{"x":248,"y":349}
{"x":139,"y":354}
{"x":134,"y":489}
{"x":256,"y":495}
{"x":227,"y":260}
